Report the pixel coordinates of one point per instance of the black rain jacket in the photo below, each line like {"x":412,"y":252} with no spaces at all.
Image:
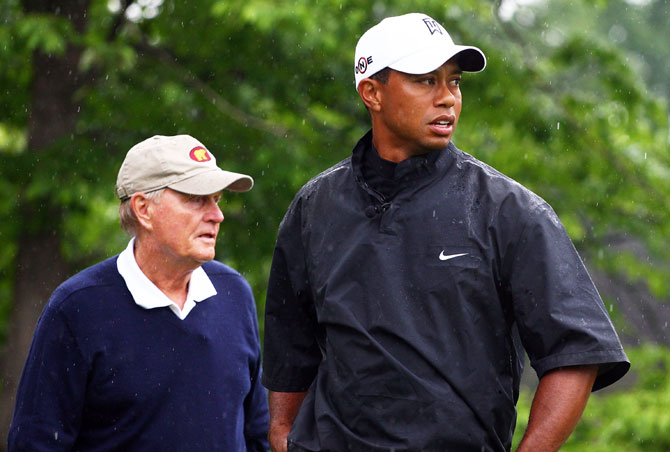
{"x":404,"y":317}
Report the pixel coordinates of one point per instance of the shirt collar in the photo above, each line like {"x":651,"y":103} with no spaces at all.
{"x":148,"y":296}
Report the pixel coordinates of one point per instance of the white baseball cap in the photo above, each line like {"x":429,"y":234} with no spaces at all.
{"x":179,"y":162}
{"x":413,"y":43}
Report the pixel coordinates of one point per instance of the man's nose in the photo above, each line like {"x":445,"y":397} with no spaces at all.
{"x":214,"y":212}
{"x":444,"y":96}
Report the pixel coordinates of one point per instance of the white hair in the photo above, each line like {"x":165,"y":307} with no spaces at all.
{"x":127,"y":216}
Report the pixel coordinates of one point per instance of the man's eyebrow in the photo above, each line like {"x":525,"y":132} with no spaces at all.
{"x":435,"y":73}
{"x":422,"y":75}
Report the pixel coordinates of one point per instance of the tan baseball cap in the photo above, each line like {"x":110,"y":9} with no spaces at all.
{"x":179,"y":162}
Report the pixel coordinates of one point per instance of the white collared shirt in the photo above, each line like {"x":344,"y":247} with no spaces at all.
{"x":148,"y":296}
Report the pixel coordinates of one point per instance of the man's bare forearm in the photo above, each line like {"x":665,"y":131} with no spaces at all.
{"x":284,"y":407}
{"x":558,"y":405}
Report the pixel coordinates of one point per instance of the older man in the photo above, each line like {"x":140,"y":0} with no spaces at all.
{"x":406,"y":277}
{"x":156,"y":348}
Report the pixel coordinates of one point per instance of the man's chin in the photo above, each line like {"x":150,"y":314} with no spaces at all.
{"x":204,"y":256}
{"x":208,"y":258}
{"x":436,"y":145}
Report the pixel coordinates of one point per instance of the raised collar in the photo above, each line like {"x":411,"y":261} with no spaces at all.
{"x":388,"y":177}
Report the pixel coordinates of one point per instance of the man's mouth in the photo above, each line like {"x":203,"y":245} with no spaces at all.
{"x":443,"y":121}
{"x":443,"y":125}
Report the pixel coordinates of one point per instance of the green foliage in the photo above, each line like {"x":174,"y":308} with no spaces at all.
{"x":45,"y":33}
{"x":634,"y":420}
{"x":583,"y":132}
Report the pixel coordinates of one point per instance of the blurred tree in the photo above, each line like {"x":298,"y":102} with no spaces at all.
{"x":634,"y":27}
{"x":606,"y":145}
{"x":52,"y":118}
{"x":268,"y":87}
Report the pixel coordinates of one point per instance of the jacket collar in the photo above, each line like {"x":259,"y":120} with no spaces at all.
{"x":414,"y":168}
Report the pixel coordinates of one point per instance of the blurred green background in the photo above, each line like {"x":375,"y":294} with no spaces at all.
{"x":573,"y":104}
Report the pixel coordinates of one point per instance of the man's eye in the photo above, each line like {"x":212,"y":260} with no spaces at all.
{"x":427,"y":81}
{"x":456,"y":82}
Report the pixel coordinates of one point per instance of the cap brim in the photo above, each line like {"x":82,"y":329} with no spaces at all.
{"x":214,"y":181}
{"x":470,"y":59}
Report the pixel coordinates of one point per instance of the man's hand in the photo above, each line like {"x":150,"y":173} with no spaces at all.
{"x":284,"y":407}
{"x":558,"y":405}
{"x":277,"y":435}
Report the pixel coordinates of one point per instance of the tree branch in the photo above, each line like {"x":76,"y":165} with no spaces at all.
{"x":215,"y":98}
{"x":119,"y":20}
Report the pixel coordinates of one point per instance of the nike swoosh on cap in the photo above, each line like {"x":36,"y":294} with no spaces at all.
{"x":444,"y":257}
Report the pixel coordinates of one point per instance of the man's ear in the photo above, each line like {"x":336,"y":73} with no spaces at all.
{"x":143,"y":209}
{"x":370,"y":91}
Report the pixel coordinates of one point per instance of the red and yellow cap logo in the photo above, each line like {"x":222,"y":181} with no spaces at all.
{"x":200,"y":154}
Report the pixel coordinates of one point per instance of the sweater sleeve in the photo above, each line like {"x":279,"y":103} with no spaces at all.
{"x":256,"y":416}
{"x":50,"y":396}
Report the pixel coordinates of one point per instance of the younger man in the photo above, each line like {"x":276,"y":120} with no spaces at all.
{"x":406,"y":277}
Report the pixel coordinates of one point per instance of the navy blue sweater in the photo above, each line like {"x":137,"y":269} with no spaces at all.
{"x":104,"y":374}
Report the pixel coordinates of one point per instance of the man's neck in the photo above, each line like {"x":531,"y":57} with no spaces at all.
{"x":393,"y":154}
{"x":164,"y":272}
{"x":392,"y":151}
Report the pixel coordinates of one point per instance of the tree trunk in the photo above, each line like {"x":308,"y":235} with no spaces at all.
{"x":40,"y":264}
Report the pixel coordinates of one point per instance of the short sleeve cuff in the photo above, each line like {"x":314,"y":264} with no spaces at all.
{"x":614,"y":364}
{"x":296,"y":384}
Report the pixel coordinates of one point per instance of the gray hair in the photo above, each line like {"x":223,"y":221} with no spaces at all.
{"x":128,"y":219}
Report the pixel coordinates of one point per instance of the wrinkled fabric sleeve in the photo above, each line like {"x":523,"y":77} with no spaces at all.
{"x":291,"y":350}
{"x":561,"y":318}
{"x":50,"y":396}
